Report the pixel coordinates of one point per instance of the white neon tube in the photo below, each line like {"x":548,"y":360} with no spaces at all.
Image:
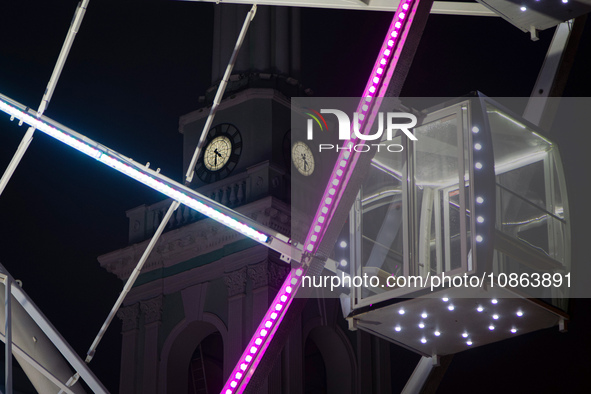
{"x":148,"y":177}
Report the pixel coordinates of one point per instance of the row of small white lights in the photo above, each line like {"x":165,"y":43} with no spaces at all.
{"x":343,"y":244}
{"x":478,"y":165}
{"x":465,"y":334}
{"x":524,"y":8}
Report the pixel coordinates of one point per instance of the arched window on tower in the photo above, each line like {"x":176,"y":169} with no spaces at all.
{"x":315,"y":369}
{"x":207,"y":366}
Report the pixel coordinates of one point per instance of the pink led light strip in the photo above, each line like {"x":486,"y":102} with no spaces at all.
{"x":367,"y":109}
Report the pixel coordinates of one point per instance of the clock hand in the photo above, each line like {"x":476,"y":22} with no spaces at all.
{"x":216,"y":156}
{"x":305,"y":161}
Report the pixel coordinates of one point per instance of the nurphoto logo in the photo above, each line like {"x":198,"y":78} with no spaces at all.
{"x":345,"y":128}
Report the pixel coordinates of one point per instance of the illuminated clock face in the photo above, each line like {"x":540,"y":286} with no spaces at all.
{"x":217,"y":153}
{"x":223,"y":147}
{"x":302,"y":158}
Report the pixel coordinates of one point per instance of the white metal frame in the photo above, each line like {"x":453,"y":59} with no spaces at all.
{"x":57,"y":70}
{"x":48,"y":329}
{"x":419,"y":376}
{"x":540,"y":100}
{"x":25,"y":356}
{"x":439,"y":7}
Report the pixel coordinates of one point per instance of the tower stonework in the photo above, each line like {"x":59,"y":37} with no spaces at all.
{"x":272,"y":44}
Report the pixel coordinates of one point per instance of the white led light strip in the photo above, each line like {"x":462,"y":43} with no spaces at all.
{"x":376,"y":86}
{"x":155,"y":180}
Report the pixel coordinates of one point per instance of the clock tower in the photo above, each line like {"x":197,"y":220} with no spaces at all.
{"x":251,"y":129}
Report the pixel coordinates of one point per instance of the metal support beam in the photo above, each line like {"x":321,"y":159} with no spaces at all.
{"x":542,"y":105}
{"x":419,"y":376}
{"x":55,"y":337}
{"x":126,"y":289}
{"x":57,"y":70}
{"x":31,"y":361}
{"x":8,"y":336}
{"x":540,"y":96}
{"x":220,"y":93}
{"x":131,"y":280}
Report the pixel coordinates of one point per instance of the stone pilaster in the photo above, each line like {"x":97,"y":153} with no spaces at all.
{"x":266,"y":277}
{"x":236,"y":284}
{"x":152,"y":311}
{"x":129,"y":316}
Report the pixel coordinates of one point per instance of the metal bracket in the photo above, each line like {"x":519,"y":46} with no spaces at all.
{"x":436,"y":360}
{"x":533,"y":32}
{"x":287,"y":250}
{"x":285,"y":258}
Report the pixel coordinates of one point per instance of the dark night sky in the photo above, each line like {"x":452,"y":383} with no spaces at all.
{"x":135,"y":67}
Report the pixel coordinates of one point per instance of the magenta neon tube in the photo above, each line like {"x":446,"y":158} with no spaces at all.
{"x":367,"y":109}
